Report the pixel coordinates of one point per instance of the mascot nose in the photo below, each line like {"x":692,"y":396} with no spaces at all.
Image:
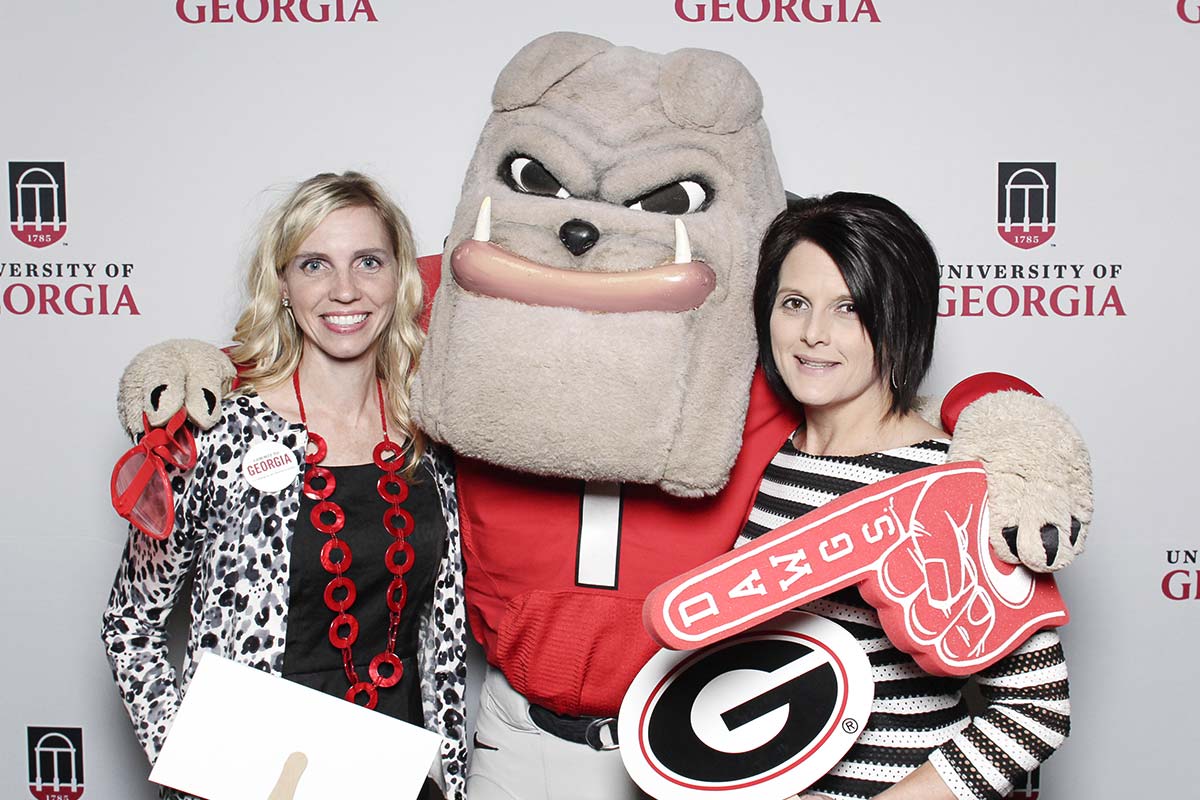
{"x":578,"y":236}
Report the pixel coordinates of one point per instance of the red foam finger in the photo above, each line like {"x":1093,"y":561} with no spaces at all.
{"x":898,"y":572}
{"x":917,"y":547}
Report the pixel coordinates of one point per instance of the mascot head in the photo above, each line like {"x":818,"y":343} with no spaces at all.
{"x":594,"y":317}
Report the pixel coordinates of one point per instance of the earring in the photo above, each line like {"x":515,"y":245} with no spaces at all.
{"x":286,"y":303}
{"x":895,"y":385}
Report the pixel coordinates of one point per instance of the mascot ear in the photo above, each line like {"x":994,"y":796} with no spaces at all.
{"x":708,"y":91}
{"x":541,"y":64}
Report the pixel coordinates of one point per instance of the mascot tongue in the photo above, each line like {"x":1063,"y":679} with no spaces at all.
{"x":486,"y":269}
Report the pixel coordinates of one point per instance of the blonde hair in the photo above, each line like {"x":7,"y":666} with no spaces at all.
{"x":268,"y":344}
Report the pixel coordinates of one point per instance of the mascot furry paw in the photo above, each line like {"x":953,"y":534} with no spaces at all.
{"x":1039,"y":477}
{"x":166,"y":376}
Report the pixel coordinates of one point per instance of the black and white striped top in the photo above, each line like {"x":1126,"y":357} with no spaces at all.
{"x":918,"y":717}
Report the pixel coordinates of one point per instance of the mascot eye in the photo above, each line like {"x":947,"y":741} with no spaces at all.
{"x":680,"y":197}
{"x":525,"y":175}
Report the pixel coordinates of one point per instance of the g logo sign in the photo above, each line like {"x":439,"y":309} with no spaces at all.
{"x":1189,"y":11}
{"x":761,"y":715}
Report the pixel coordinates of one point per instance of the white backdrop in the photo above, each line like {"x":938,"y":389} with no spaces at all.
{"x":169,"y":132}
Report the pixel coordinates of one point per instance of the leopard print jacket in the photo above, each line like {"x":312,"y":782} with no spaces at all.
{"x":236,"y":541}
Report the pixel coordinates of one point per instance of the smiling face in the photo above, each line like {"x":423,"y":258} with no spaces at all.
{"x":342,"y":285}
{"x":821,"y":349}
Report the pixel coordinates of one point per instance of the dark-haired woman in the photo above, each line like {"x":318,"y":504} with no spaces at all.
{"x":845,"y":311}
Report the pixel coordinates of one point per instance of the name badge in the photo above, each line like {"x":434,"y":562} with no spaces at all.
{"x":269,"y":466}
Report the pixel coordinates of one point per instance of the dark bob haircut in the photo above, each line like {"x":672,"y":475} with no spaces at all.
{"x":889,"y":267}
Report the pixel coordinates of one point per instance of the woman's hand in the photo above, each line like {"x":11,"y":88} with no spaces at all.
{"x":923,"y":783}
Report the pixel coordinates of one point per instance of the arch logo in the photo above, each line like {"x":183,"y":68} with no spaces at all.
{"x":37,"y":201}
{"x":1025,"y":207}
{"x":55,"y":763}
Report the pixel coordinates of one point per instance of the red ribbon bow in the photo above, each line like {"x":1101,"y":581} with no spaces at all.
{"x":141,"y":491}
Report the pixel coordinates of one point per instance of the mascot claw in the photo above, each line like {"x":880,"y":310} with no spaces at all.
{"x":167,"y":376}
{"x":1039,"y":477}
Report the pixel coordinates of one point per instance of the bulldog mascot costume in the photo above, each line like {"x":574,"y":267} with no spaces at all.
{"x":591,"y":363}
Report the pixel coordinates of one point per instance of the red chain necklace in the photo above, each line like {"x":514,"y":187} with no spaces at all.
{"x":328,"y":518}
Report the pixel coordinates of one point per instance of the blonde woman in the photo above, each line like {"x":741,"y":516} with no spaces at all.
{"x":320,"y":530}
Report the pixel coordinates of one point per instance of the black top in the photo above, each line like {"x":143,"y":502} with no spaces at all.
{"x":309,"y":658}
